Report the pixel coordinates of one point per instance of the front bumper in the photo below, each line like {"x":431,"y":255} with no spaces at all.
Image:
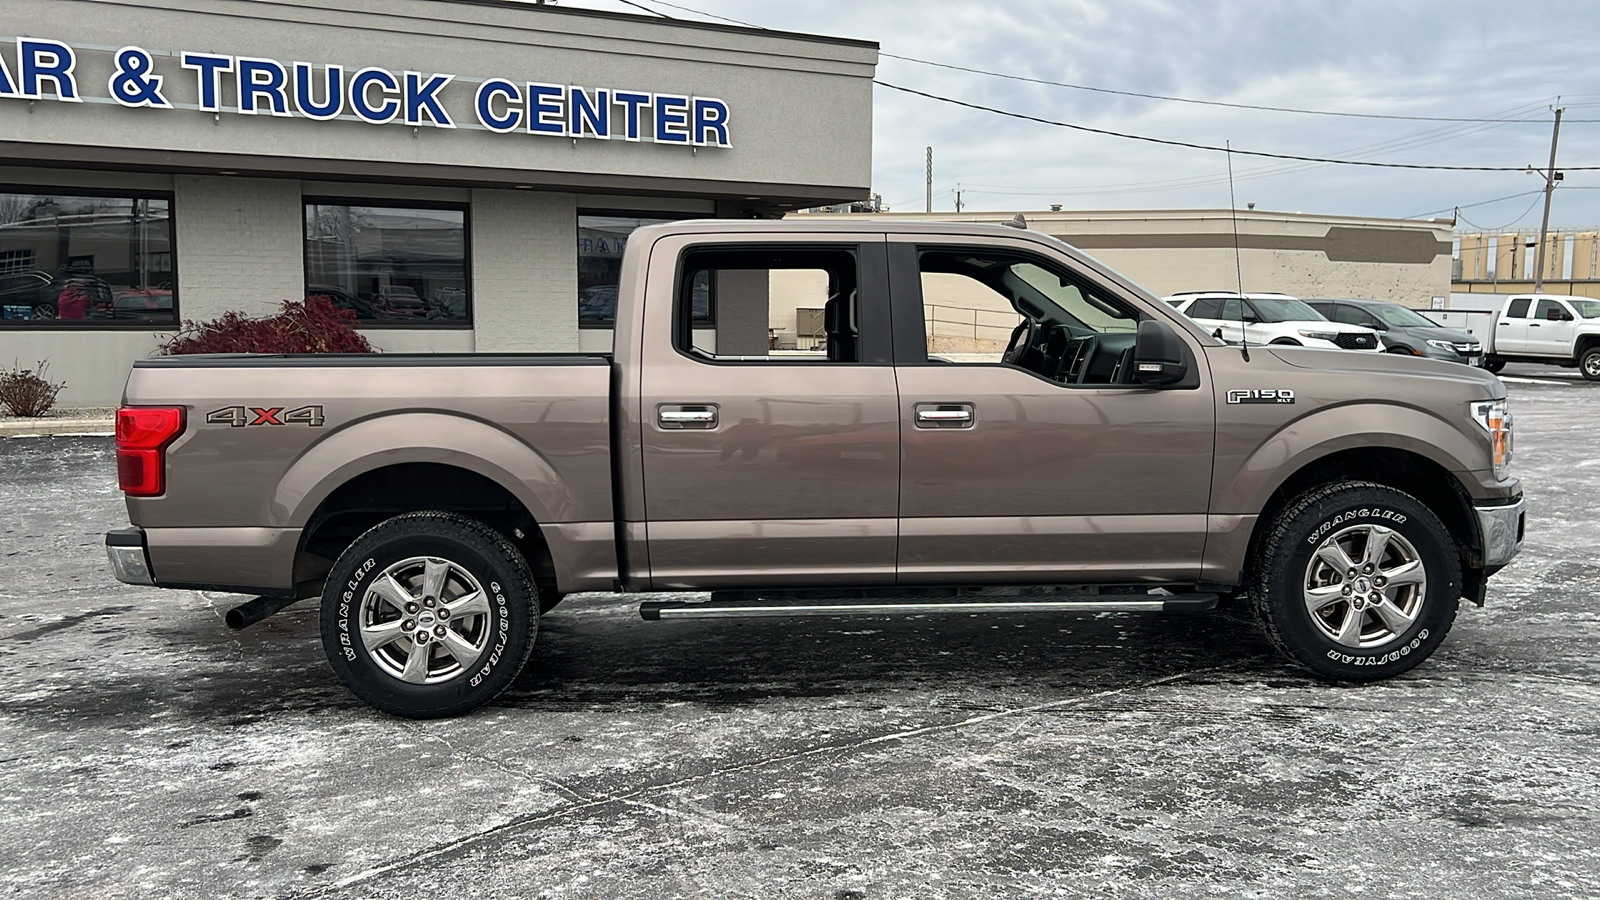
{"x":1502,"y":528}
{"x":129,"y":560}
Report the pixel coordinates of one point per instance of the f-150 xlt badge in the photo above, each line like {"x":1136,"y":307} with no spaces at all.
{"x":1262,"y":395}
{"x":244,"y":416}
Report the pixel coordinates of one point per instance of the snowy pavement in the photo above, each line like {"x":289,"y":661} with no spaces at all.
{"x":147,"y":751}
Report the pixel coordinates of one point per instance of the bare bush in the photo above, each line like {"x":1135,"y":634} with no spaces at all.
{"x":26,"y":392}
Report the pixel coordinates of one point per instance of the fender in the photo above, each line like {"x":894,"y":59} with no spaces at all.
{"x":430,"y":437}
{"x":1246,"y":489}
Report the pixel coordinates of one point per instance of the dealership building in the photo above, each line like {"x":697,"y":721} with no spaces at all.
{"x":461,"y":175}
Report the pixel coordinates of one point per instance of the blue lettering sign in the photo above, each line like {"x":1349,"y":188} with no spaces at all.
{"x":485,"y":103}
{"x":208,"y":71}
{"x":305,"y":97}
{"x":589,"y":118}
{"x":672,"y":119}
{"x":133,"y":83}
{"x":41,"y":60}
{"x":631,"y":102}
{"x":258,"y":78}
{"x":547,"y":112}
{"x":8,"y":88}
{"x":361,"y":84}
{"x":710,"y":122}
{"x":422,"y":100}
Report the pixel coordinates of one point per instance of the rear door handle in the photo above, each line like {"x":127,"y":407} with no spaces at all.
{"x":687,"y":415}
{"x":944,"y":415}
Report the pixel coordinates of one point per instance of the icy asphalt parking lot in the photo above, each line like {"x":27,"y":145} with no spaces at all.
{"x":146,"y":751}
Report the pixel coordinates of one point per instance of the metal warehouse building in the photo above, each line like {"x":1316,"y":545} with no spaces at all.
{"x":461,"y":174}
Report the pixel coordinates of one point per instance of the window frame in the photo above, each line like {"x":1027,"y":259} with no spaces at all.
{"x":464,"y":324}
{"x":665,"y":216}
{"x":107,"y":324}
{"x":867,"y":274}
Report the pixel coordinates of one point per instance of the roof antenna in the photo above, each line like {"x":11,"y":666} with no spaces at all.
{"x":1238,"y":268}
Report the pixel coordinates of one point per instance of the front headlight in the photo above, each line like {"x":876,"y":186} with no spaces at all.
{"x":1319,"y":335}
{"x":1442,"y":345}
{"x":1493,"y":417}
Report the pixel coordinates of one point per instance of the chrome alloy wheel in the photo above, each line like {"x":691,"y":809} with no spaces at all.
{"x":1591,"y":366}
{"x":1365,"y":586}
{"x":424,"y":620}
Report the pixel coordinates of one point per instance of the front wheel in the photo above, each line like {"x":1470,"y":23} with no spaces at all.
{"x":429,"y":614}
{"x":1589,"y":363}
{"x":1356,"y":581}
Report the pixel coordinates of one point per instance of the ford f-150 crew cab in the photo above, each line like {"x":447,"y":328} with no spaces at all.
{"x":439,"y":504}
{"x":1539,"y":328}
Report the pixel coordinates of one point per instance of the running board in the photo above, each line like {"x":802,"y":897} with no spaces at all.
{"x":655,"y":611}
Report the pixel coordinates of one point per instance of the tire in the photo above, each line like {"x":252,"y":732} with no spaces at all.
{"x":1494,"y":364}
{"x":478,"y":630}
{"x":1406,"y":350}
{"x":1589,"y":363}
{"x":1347,"y":638}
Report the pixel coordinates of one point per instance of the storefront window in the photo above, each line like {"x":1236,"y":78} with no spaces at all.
{"x":71,"y":260}
{"x":389,"y":265}
{"x":601,"y":240}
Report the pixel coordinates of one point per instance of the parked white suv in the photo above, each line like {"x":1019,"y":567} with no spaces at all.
{"x":1269,"y":318}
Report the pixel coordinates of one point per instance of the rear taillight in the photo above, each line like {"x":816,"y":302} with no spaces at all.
{"x":143,"y":433}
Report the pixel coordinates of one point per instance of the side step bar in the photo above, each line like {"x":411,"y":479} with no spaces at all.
{"x":655,"y":611}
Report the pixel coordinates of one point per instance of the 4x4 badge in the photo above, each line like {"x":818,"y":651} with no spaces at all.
{"x":1262,"y":395}
{"x":245,"y":416}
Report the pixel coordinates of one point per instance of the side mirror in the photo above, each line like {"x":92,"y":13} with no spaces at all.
{"x":1553,"y":315}
{"x":1158,"y":354}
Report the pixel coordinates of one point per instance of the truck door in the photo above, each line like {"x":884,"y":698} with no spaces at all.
{"x":1029,"y":454}
{"x":1552,"y":337}
{"x":1511,"y":332}
{"x":769,"y":423}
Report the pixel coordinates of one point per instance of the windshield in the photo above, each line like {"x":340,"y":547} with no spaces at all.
{"x":1285,"y":309}
{"x":1396,"y":316}
{"x":1589,"y":309}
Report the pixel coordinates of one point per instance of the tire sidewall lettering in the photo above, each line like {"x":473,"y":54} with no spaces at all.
{"x":1391,"y":656}
{"x":1319,"y":533}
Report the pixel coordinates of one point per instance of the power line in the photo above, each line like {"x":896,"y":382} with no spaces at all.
{"x":1194,"y":146}
{"x":1144,"y":96}
{"x":1508,"y":224}
{"x":1461,"y":206}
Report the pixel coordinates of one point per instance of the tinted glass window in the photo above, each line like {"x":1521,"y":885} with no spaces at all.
{"x":1518,"y":309}
{"x":1401,"y":317}
{"x":601,"y":240}
{"x":773,"y":306}
{"x":1284,"y":309}
{"x":1350,"y":315}
{"x":1232,"y":310}
{"x":79,"y":260}
{"x":389,"y":265}
{"x":1205,"y":308}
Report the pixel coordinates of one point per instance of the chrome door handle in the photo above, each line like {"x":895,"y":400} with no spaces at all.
{"x":698,"y":415}
{"x":944,"y":415}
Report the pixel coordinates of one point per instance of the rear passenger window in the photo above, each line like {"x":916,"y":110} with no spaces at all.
{"x":1205,"y":309}
{"x":1518,"y":309}
{"x":1350,"y":315}
{"x":770,"y":305}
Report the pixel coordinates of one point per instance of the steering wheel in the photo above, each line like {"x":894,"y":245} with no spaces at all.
{"x":1023,"y":338}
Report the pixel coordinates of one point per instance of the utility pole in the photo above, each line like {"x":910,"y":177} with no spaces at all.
{"x":930,"y":181}
{"x":1551,"y":176}
{"x":958,"y":197}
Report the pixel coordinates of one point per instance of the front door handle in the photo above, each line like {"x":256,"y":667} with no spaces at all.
{"x":687,"y":415}
{"x":944,"y":415}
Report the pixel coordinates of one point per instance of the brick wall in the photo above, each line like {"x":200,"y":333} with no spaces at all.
{"x":240,"y":244}
{"x":524,"y":271}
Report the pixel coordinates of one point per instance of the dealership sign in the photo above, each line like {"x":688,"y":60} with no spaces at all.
{"x":46,"y":70}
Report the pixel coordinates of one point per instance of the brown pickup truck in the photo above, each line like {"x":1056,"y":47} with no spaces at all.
{"x":794,"y":420}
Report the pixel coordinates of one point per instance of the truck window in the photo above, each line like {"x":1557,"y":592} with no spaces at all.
{"x":1542,"y":311}
{"x":1518,"y":308}
{"x":770,"y":305}
{"x":990,"y":307}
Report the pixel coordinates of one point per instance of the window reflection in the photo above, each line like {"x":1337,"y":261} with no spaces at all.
{"x":389,"y":265}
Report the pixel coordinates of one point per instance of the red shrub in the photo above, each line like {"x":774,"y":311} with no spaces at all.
{"x":312,"y":325}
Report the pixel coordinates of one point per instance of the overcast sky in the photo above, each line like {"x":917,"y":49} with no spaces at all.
{"x":1457,"y":59}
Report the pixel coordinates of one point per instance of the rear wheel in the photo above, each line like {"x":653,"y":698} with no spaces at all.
{"x":429,"y":614}
{"x":1494,"y":363}
{"x":1589,"y":363}
{"x":1356,"y":581}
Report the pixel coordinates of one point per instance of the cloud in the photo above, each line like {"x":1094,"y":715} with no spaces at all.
{"x":1466,"y":59}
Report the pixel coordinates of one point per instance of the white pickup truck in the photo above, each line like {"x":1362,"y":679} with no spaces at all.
{"x":1540,"y":328}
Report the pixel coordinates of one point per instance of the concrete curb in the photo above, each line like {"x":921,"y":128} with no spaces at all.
{"x":10,"y":428}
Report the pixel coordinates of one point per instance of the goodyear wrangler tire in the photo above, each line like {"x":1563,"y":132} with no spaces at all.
{"x":429,"y":614}
{"x":1356,"y":581}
